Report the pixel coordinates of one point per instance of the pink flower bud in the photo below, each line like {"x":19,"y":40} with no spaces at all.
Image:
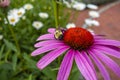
{"x":4,"y":3}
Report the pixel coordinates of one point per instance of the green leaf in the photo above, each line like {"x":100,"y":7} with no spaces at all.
{"x":10,"y":45}
{"x":5,"y":65}
{"x":5,"y":71}
{"x":14,"y":61}
{"x":30,"y":77}
{"x":7,"y":55}
{"x":3,"y":75}
{"x":49,"y":73}
{"x":29,"y":62}
{"x":1,"y":51}
{"x":75,"y":73}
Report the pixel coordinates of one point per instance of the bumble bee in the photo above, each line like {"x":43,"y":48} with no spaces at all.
{"x":58,"y":34}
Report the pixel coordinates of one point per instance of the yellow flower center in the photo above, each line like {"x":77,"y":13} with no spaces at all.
{"x":12,"y":20}
{"x":19,"y":13}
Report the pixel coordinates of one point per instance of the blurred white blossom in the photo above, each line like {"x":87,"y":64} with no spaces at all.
{"x":90,"y":22}
{"x":1,"y":37}
{"x":23,"y":17}
{"x":20,"y":12}
{"x":14,"y":16}
{"x":12,"y":11}
{"x":95,"y":23}
{"x":32,"y":0}
{"x":69,"y":5}
{"x":94,"y":14}
{"x":5,"y":21}
{"x":92,"y":6}
{"x":37,"y":25}
{"x":91,"y":31}
{"x":70,"y":25}
{"x":12,"y":19}
{"x":0,"y":19}
{"x":79,"y":6}
{"x":28,"y":6}
{"x":43,"y":15}
{"x":17,"y":12}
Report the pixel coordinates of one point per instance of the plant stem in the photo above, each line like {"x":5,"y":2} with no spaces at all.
{"x":13,"y":35}
{"x":56,"y":12}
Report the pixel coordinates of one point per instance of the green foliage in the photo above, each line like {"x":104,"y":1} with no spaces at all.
{"x":17,"y":43}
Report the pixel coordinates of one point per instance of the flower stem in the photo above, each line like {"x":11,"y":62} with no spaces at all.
{"x":56,"y":12}
{"x":13,"y":35}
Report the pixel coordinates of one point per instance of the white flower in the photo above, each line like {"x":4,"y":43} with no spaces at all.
{"x":12,"y":19}
{"x":95,"y":23}
{"x":17,"y":12}
{"x":91,"y":31}
{"x":0,"y":19}
{"x":70,"y":25}
{"x":94,"y":14}
{"x":32,"y":0}
{"x":43,"y":15}
{"x":13,"y":11}
{"x":20,"y":12}
{"x":67,"y":4}
{"x":90,"y":22}
{"x":28,"y":6}
{"x":79,"y":6}
{"x":5,"y":21}
{"x":37,"y":25}
{"x":92,"y":6}
{"x":23,"y":17}
{"x":1,"y":37}
{"x":73,"y":1}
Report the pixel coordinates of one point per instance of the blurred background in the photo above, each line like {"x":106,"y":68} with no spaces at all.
{"x":22,"y":22}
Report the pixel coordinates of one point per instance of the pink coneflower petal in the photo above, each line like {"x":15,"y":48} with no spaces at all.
{"x":51,"y":30}
{"x":107,"y":42}
{"x":100,"y":66}
{"x":46,"y":37}
{"x":48,"y":58}
{"x":66,"y":66}
{"x":44,"y":43}
{"x":89,"y":61}
{"x":98,"y":37}
{"x":109,"y":62}
{"x":108,"y":51}
{"x":46,"y":48}
{"x":84,"y":67}
{"x":115,"y":48}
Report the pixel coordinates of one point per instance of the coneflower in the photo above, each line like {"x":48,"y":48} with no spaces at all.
{"x":78,"y":44}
